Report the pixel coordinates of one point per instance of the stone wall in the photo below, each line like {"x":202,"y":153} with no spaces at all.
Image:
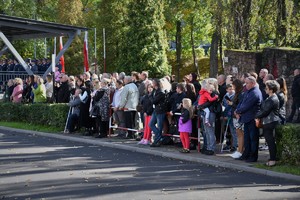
{"x":238,"y":62}
{"x":279,"y":62}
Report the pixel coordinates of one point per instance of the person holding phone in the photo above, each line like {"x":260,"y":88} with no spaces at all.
{"x":227,"y":116}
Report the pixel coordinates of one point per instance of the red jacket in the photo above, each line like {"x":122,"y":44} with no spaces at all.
{"x":205,"y":97}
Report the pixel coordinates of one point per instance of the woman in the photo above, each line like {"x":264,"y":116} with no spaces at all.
{"x":282,"y":96}
{"x":16,"y":96}
{"x":9,"y":90}
{"x":101,"y":99}
{"x":49,"y":89}
{"x":209,"y":128}
{"x":238,"y":88}
{"x":40,"y":91}
{"x":269,"y":114}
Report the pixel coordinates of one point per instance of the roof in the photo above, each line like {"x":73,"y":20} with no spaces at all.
{"x":17,"y":28}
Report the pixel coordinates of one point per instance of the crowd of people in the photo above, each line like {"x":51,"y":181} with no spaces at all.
{"x":166,"y":106}
{"x":36,"y":65}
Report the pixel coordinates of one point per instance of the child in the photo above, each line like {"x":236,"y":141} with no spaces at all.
{"x":185,"y":124}
{"x":148,"y":110}
{"x":227,"y":115}
{"x":205,"y":97}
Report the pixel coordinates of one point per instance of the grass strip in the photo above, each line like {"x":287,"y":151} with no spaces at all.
{"x":26,"y":126}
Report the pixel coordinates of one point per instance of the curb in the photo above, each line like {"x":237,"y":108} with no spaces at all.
{"x":215,"y":163}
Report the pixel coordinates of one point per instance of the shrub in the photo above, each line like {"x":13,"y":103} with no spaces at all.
{"x":38,"y":114}
{"x":288,"y":143}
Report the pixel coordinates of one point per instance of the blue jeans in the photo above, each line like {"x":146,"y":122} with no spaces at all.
{"x":159,"y":120}
{"x":251,"y":140}
{"x":209,"y":132}
{"x":233,"y":133}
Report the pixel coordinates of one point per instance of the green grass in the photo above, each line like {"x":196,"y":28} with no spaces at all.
{"x":26,"y":126}
{"x":289,"y":169}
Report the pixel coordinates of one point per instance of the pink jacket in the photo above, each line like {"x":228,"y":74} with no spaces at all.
{"x":17,"y":94}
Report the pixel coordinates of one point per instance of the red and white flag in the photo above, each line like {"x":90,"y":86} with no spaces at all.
{"x":86,"y":52}
{"x":62,"y":59}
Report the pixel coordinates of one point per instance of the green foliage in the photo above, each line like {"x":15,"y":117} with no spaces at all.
{"x":145,"y":45}
{"x":138,"y":32}
{"x":288,"y":143}
{"x":37,"y":114}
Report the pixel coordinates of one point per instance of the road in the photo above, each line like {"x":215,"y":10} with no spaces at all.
{"x":36,"y":167}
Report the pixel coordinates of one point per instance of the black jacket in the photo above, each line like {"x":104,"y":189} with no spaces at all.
{"x":63,"y":95}
{"x":147,"y":104}
{"x":159,"y":101}
{"x":296,"y":86}
{"x":282,"y":104}
{"x":269,"y":111}
{"x":176,"y":101}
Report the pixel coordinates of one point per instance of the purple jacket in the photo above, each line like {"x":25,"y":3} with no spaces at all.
{"x":185,"y":127}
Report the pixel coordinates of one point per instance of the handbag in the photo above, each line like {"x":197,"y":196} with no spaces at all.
{"x":258,"y":123}
{"x":95,"y":111}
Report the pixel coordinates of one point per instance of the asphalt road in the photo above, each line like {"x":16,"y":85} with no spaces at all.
{"x":36,"y":167}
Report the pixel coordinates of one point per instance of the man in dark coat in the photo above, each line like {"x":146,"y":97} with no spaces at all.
{"x":63,"y":94}
{"x":296,"y":96}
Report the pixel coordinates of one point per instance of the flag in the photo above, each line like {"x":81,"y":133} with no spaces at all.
{"x":86,"y":52}
{"x":62,"y":59}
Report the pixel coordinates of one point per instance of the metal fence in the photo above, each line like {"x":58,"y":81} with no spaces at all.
{"x":5,"y":76}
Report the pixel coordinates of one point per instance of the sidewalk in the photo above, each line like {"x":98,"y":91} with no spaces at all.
{"x":170,"y":151}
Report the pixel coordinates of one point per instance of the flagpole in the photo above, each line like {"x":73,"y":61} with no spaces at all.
{"x":95,"y":42}
{"x":45,"y":47}
{"x":54,"y":49}
{"x":104,"y":53}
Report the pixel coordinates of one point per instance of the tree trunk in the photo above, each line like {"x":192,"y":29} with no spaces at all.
{"x":178,"y":48}
{"x":193,"y":47}
{"x":213,"y":72}
{"x":281,"y":27}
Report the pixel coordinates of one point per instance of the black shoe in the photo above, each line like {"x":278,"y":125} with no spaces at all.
{"x":155,"y":145}
{"x":209,"y":152}
{"x":240,"y":158}
{"x":101,"y":136}
{"x":251,"y":160}
{"x":203,"y":150}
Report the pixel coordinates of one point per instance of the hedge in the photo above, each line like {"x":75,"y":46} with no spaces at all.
{"x":39,"y":114}
{"x":288,"y":143}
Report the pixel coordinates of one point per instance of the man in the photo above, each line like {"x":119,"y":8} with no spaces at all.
{"x":63,"y":94}
{"x":246,"y":112}
{"x":262,"y":74}
{"x":118,"y":114}
{"x":296,"y":96}
{"x":144,"y":79}
{"x":129,"y":101}
{"x":158,"y":114}
{"x":222,"y":85}
{"x":222,"y":90}
{"x":73,"y":119}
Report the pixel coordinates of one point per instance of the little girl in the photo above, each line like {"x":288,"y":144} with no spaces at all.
{"x":205,"y":97}
{"x":185,"y":124}
{"x":148,"y":110}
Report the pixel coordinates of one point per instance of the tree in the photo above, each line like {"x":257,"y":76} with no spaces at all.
{"x":145,"y":45}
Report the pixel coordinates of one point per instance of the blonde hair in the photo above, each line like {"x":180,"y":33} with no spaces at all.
{"x":97,"y":85}
{"x":18,"y":81}
{"x":214,"y":82}
{"x":40,"y":80}
{"x":210,"y":87}
{"x":187,"y":104}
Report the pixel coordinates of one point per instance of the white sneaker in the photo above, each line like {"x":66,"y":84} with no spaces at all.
{"x":236,"y":155}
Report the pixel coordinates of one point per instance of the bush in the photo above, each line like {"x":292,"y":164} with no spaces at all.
{"x":288,"y":143}
{"x":37,"y":114}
